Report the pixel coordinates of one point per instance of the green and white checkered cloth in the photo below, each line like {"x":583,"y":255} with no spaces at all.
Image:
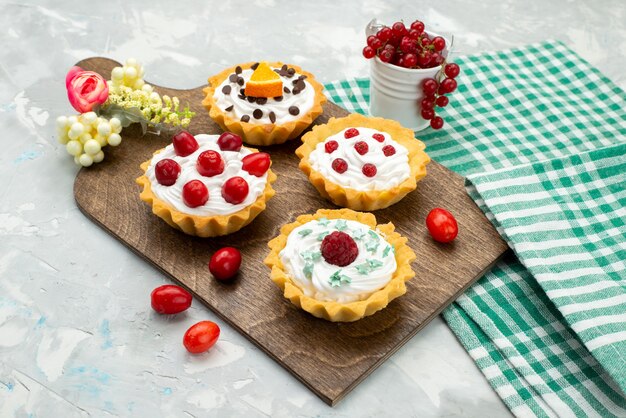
{"x":541,"y":135}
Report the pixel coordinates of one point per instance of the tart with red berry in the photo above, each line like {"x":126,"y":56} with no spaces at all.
{"x":340,"y":265}
{"x":264,"y":103}
{"x":362,"y":163}
{"x":207,"y":185}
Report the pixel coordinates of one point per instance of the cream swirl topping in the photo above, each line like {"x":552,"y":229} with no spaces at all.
{"x":372,"y":269}
{"x":390,"y":170}
{"x":216,"y":205}
{"x":241,"y":107}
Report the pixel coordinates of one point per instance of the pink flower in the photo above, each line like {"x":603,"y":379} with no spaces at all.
{"x":85,"y":89}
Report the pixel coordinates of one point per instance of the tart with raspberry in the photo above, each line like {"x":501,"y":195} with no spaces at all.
{"x":207,"y":185}
{"x":340,"y":265}
{"x":264,"y":103}
{"x":362,"y":163}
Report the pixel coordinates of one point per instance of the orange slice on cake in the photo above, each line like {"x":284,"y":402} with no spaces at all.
{"x":264,"y":82}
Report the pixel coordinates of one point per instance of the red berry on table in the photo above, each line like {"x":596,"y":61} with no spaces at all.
{"x":201,"y":336}
{"x":339,"y":165}
{"x":452,"y":70}
{"x":235,"y":190}
{"x":351,"y":132}
{"x":369,"y":170}
{"x":369,"y":52}
{"x":389,"y":150}
{"x":439,"y":43}
{"x":170,"y":299}
{"x":427,"y":113}
{"x":442,"y":225}
{"x":436,"y":122}
{"x":429,"y":86}
{"x":436,"y":59}
{"x":379,"y":137}
{"x":448,"y":85}
{"x":427,"y":103}
{"x":386,"y":55}
{"x":256,"y":163}
{"x":384,"y":34}
{"x":399,"y":29}
{"x":442,"y":101}
{"x":410,"y":60}
{"x":331,"y":146}
{"x":423,"y":59}
{"x":361,"y":147}
{"x":417,"y":26}
{"x":210,"y":163}
{"x":225,"y":263}
{"x":184,"y":144}
{"x":339,"y":249}
{"x":195,"y":194}
{"x":408,"y":44}
{"x":167,"y":171}
{"x":229,"y":141}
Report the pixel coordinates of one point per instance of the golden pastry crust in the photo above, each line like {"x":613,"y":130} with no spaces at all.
{"x":204,"y":226}
{"x":335,"y":311}
{"x":266,"y":134}
{"x":370,"y":199}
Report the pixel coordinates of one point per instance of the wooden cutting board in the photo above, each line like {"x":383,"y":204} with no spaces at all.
{"x":329,"y":358}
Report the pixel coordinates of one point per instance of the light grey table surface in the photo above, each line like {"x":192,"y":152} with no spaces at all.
{"x":77,"y":335}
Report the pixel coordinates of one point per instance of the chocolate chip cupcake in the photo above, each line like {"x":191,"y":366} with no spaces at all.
{"x":264,"y":103}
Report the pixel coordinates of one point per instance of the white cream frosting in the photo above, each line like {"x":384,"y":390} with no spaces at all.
{"x":216,"y":205}
{"x":303,"y":101}
{"x":391,"y":170}
{"x":370,"y":271}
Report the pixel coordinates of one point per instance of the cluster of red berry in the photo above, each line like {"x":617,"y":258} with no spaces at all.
{"x":435,"y":94}
{"x":341,"y":166}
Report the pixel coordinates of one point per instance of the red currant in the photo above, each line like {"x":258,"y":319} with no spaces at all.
{"x":442,"y":101}
{"x":201,"y":336}
{"x":256,"y":163}
{"x":229,"y":141}
{"x":379,"y":137}
{"x":414,"y":34}
{"x":425,"y":40}
{"x":408,"y":44}
{"x":350,"y":132}
{"x":339,"y":165}
{"x":428,"y":113}
{"x":235,"y":190}
{"x":429,"y":86}
{"x":452,"y":70}
{"x":410,"y":60}
{"x":195,"y":194}
{"x":448,"y":85}
{"x":361,"y":147}
{"x":225,"y":263}
{"x":369,"y":170}
{"x":439,"y":43}
{"x":170,"y":299}
{"x":184,"y":143}
{"x":389,"y":150}
{"x":436,"y":122}
{"x":418,"y":26}
{"x":427,"y":103}
{"x":386,"y":55}
{"x":210,"y":163}
{"x":423,"y":59}
{"x":442,"y":225}
{"x":436,"y":59}
{"x":384,"y":34}
{"x":399,"y":29}
{"x":369,"y":52}
{"x":331,"y":146}
{"x":374,"y":42}
{"x":167,"y":171}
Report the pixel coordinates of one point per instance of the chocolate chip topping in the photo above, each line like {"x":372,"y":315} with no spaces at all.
{"x":240,"y":81}
{"x":226,"y":89}
{"x":238,"y":70}
{"x":251,"y":99}
{"x":242,"y":96}
{"x":278,"y":98}
{"x":293,"y":110}
{"x":261,"y":100}
{"x":258,"y":113}
{"x":229,"y":108}
{"x":295,"y":91}
{"x":253,"y":66}
{"x":242,"y":92}
{"x":284,"y":67}
{"x":291,"y":72}
{"x":245,"y":118}
{"x":233,"y":78}
{"x":300,"y":85}
{"x":272,"y":117}
{"x":286,"y":90}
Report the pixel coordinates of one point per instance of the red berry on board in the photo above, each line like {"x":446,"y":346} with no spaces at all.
{"x":331,"y":146}
{"x":369,"y":52}
{"x":256,"y":163}
{"x":369,"y":170}
{"x":379,"y":137}
{"x":452,"y":70}
{"x":225,"y":263}
{"x":436,"y":122}
{"x":428,"y":113}
{"x":184,"y":143}
{"x":399,"y":29}
{"x":442,"y":225}
{"x":167,"y":171}
{"x":442,"y":101}
{"x":417,"y":26}
{"x":448,"y":85}
{"x":201,"y":336}
{"x":384,"y":34}
{"x":361,"y":147}
{"x":439,"y":43}
{"x":410,"y":60}
{"x":229,"y":141}
{"x":429,"y":86}
{"x":339,"y":165}
{"x":423,"y":59}
{"x":170,"y":299}
{"x":339,"y":249}
{"x":195,"y":193}
{"x":350,"y":132}
{"x":235,"y":190}
{"x":428,"y":103}
{"x":210,"y":163}
{"x":389,"y":150}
